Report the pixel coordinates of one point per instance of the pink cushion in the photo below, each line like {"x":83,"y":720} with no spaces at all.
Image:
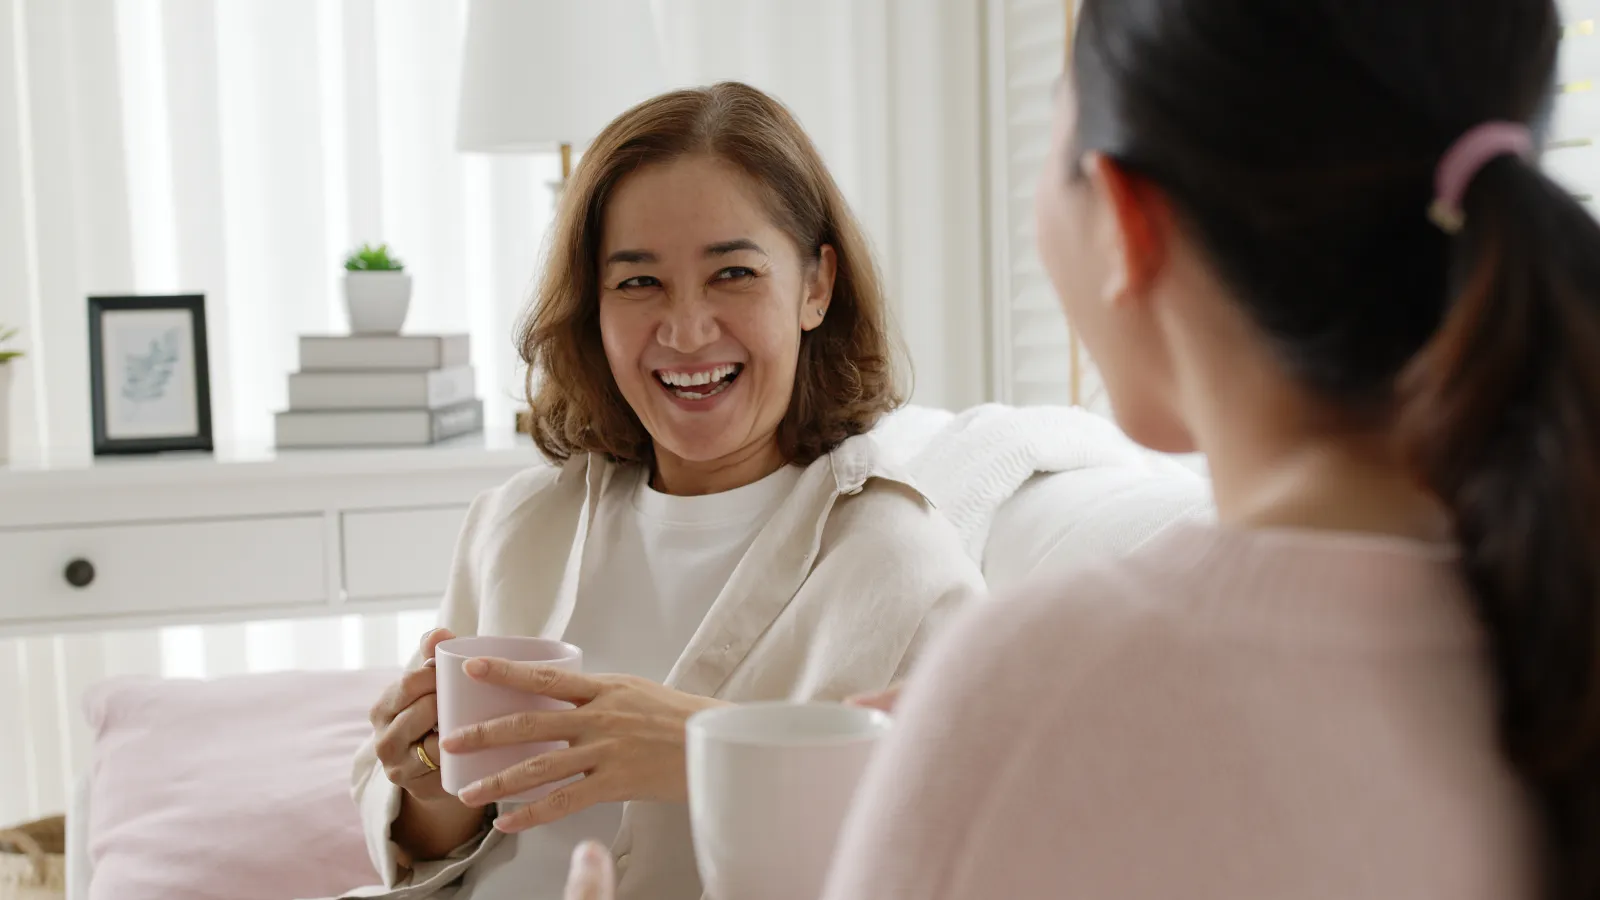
{"x":237,"y":788}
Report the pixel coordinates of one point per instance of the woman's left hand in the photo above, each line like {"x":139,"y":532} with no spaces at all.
{"x":626,"y":736}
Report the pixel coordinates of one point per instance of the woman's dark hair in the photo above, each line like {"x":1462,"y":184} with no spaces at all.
{"x":1298,"y":140}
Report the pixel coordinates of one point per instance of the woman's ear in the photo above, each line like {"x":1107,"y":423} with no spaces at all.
{"x":819,"y":288}
{"x":1137,"y":222}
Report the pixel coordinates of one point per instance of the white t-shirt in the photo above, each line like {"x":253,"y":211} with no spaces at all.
{"x":652,"y":566}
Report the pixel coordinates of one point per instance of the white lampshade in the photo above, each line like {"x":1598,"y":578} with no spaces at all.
{"x":539,"y":73}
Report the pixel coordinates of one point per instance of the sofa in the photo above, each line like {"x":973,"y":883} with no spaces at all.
{"x":236,"y":788}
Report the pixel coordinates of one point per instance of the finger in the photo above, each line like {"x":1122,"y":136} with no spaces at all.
{"x":410,"y":772}
{"x":432,"y":640}
{"x":411,"y":687}
{"x":430,"y":746}
{"x":534,"y":678}
{"x":558,"y":804}
{"x":413,"y":724}
{"x":593,"y":875}
{"x":526,"y":727}
{"x":538,"y":771}
{"x":884,"y":700}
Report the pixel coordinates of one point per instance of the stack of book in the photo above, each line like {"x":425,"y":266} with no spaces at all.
{"x":380,"y":391}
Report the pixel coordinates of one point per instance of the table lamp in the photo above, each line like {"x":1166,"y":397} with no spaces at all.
{"x":547,"y":75}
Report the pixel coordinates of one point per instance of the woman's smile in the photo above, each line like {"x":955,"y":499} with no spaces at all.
{"x":696,"y":388}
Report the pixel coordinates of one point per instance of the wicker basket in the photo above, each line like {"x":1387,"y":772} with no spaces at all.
{"x":33,"y":862}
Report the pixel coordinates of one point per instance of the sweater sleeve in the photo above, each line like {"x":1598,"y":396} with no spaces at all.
{"x":968,"y":722}
{"x":377,"y":797}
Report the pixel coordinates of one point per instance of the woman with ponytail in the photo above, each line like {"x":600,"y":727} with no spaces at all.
{"x":1311,"y":239}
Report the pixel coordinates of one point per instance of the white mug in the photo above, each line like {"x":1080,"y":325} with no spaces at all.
{"x":769,"y":786}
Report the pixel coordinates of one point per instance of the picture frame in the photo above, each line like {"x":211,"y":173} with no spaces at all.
{"x":149,"y":374}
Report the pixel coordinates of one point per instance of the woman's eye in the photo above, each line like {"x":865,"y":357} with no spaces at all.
{"x":734,"y":273}
{"x":638,"y":281}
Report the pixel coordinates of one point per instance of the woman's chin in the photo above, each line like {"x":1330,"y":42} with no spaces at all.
{"x":698,"y":444}
{"x":704,"y":431}
{"x":694,"y":438}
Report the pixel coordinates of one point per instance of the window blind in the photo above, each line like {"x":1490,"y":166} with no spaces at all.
{"x":1572,"y":154}
{"x":1034,"y":353}
{"x":1035,"y":361}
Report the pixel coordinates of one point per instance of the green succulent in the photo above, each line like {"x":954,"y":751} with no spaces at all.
{"x":372,"y":259}
{"x":6,"y":335}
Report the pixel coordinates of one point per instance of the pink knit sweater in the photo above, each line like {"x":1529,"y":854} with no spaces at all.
{"x":1226,"y":714}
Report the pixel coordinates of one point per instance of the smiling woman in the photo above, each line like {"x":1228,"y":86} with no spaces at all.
{"x":707,"y":227}
{"x":703,"y":331}
{"x":707,"y":349}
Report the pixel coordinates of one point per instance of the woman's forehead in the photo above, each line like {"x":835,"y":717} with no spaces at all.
{"x":687,"y":203}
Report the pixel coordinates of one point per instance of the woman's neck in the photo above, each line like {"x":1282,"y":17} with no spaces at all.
{"x":689,"y":478}
{"x":1279,"y":457}
{"x":1276,"y":461}
{"x":1327,"y":484}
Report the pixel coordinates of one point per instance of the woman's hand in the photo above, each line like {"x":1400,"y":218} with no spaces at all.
{"x":884,"y":700}
{"x":626,"y":737}
{"x":407,"y":715}
{"x":593,"y":875}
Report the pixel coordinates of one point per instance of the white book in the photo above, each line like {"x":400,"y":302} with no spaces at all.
{"x":377,"y":428}
{"x":387,"y":351}
{"x":422,"y":389}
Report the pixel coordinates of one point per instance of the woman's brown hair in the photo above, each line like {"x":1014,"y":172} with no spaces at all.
{"x":846,"y":375}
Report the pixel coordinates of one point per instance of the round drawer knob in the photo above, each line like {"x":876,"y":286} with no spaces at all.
{"x":80,"y":572}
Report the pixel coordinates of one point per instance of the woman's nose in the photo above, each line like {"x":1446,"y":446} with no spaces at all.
{"x":690,"y":325}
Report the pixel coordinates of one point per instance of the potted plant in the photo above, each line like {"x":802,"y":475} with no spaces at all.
{"x":377,"y":290}
{"x":7,"y":354}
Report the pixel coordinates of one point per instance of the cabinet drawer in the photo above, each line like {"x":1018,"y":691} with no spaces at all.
{"x":399,"y":553}
{"x":168,"y":567}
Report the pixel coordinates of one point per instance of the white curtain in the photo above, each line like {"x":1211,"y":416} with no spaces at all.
{"x":239,"y":147}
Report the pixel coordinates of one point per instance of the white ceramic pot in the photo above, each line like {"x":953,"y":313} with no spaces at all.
{"x":377,"y":301}
{"x":5,"y":412}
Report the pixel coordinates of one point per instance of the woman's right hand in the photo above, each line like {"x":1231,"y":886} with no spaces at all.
{"x":883,"y":700}
{"x":407,"y":715}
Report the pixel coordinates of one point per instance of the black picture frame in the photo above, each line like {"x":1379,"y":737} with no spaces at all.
{"x":193,"y":350}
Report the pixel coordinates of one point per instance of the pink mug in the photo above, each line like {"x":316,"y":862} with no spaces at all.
{"x":463,"y":702}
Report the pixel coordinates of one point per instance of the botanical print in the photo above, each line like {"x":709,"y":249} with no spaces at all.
{"x":148,"y":366}
{"x":147,"y":374}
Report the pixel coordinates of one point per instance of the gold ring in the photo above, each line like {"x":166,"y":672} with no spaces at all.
{"x":423,"y":755}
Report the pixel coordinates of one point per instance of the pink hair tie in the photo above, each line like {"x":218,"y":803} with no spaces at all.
{"x":1465,"y":159}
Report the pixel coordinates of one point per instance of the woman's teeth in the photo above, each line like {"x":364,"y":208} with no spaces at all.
{"x":699,"y":385}
{"x":688,"y":379}
{"x":700,"y":395}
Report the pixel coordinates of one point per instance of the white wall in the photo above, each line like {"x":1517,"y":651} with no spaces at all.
{"x":936,"y":256}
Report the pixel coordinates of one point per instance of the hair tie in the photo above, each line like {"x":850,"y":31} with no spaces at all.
{"x":1465,"y":159}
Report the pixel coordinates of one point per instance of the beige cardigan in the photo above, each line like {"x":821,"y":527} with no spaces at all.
{"x":838,"y":594}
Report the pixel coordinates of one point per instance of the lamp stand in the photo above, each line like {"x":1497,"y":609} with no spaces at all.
{"x":556,"y":187}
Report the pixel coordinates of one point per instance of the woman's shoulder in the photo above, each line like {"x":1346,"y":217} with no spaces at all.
{"x":528,"y":498}
{"x":1196,"y":587}
{"x":887,"y":539}
{"x":879,"y":506}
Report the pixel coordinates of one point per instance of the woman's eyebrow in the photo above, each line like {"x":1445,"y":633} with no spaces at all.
{"x":723,"y":248}
{"x":631,"y":256}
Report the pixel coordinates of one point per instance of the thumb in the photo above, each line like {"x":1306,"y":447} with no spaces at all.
{"x":883,"y":700}
{"x":432,"y":640}
{"x":593,"y":875}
